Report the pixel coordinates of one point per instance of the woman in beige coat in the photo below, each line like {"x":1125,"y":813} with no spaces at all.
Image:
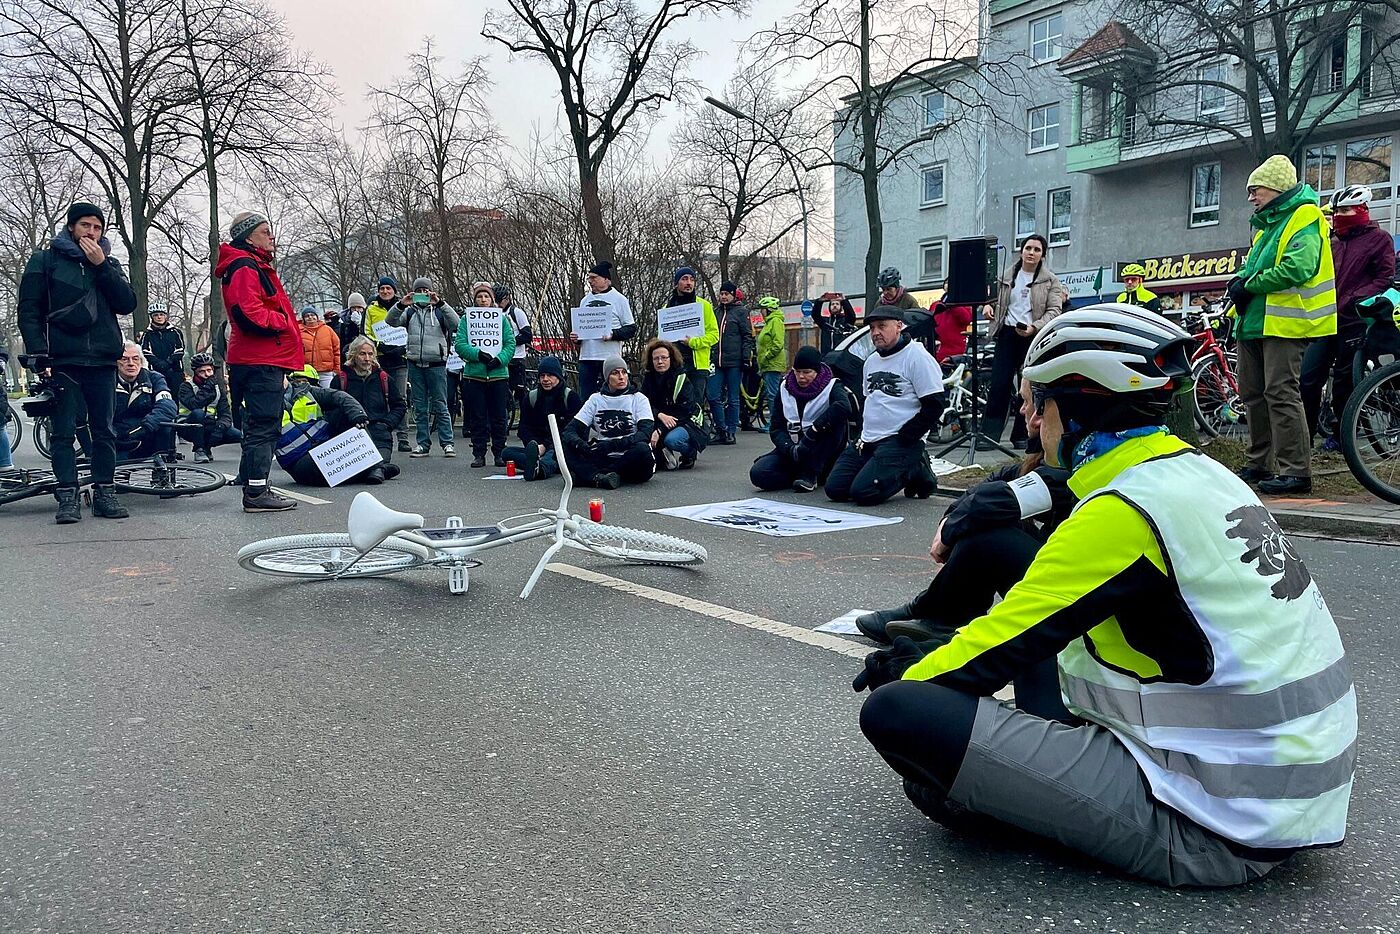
{"x":1028,"y":296}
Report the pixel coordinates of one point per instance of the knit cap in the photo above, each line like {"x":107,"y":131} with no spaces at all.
{"x":1277,"y":173}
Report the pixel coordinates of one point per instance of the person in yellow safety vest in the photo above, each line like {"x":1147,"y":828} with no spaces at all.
{"x":1136,"y":293}
{"x":1205,"y":724}
{"x":1284,"y":296}
{"x":312,"y":416}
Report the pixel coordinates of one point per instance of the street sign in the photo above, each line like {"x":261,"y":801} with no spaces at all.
{"x":807,"y":307}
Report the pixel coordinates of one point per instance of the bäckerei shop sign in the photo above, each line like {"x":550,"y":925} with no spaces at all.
{"x":1187,"y":269}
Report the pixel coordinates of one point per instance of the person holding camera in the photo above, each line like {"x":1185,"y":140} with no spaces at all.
{"x":69,"y":298}
{"x":1029,"y":296}
{"x":431,"y":324}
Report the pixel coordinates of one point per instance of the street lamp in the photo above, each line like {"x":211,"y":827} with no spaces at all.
{"x":796,"y":179}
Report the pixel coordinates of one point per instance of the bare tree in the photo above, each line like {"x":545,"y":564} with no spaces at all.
{"x":179,"y":274}
{"x":331,"y":215}
{"x":1266,"y":74}
{"x":614,"y":64}
{"x":439,"y":127}
{"x":872,"y":59}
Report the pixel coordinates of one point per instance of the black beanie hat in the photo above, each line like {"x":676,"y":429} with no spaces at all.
{"x":551,"y":366}
{"x":808,"y":358}
{"x":730,"y":286}
{"x":602,"y":268}
{"x":80,"y":209}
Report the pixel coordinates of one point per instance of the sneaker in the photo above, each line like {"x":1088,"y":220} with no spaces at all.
{"x":803,"y":485}
{"x":68,"y":509}
{"x":449,"y":450}
{"x":607,"y":481}
{"x":403,"y":446}
{"x":420,"y":451}
{"x":1331,"y":445}
{"x":263,"y":499}
{"x":105,"y":504}
{"x":203,"y":457}
{"x":670,"y":459}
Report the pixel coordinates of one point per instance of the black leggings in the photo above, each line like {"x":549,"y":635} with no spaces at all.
{"x":921,"y":729}
{"x":1008,"y":357}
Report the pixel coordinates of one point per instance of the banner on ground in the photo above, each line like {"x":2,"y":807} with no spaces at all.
{"x":680,"y":321}
{"x":484,"y":329}
{"x":591,"y":322}
{"x":346,"y":455}
{"x":770,"y":517}
{"x":387,"y":334}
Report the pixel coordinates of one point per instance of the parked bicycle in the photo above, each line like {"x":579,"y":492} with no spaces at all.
{"x":1369,"y":429}
{"x":9,"y":418}
{"x":382,"y":541}
{"x":1216,"y":388}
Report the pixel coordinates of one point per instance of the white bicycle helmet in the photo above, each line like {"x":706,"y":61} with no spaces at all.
{"x":155,"y":307}
{"x":1118,"y":348}
{"x":1351,"y":196}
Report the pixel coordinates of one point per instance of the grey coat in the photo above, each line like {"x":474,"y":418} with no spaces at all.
{"x":431,"y":330}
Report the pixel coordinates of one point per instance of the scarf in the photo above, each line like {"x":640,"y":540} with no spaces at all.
{"x":65,"y":245}
{"x":1348,"y":224}
{"x":813,"y":390}
{"x":1099,"y":443}
{"x":897,"y":296}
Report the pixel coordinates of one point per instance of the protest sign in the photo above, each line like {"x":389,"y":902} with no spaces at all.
{"x":346,"y":455}
{"x":484,"y":329}
{"x":591,"y":322}
{"x":454,"y":362}
{"x":394,"y":337}
{"x":681,"y":321}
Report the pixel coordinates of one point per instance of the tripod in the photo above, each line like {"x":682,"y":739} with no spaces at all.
{"x":973,"y":432}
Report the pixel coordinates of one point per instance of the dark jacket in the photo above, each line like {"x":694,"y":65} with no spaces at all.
{"x":164,"y":348}
{"x":837,"y":416}
{"x":1364,"y":263}
{"x":676,"y":394}
{"x":736,"y":341}
{"x":68,"y":308}
{"x":380,"y":398}
{"x":993,"y":504}
{"x":144,"y":403}
{"x":536,"y":407}
{"x":340,"y":409}
{"x":206,"y":404}
{"x":903,"y":301}
{"x":265,"y":330}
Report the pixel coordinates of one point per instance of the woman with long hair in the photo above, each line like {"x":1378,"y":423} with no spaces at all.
{"x":1029,"y":295}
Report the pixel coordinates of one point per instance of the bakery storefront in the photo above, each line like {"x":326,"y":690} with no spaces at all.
{"x":1186,"y":279}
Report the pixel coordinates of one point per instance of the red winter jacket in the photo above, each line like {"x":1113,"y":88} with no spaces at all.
{"x":264,"y":329}
{"x":950,"y":324}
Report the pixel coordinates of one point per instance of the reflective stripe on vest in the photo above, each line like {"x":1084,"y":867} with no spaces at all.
{"x":303,"y":428}
{"x":813,"y":411}
{"x":676,"y":396}
{"x":1309,"y":309}
{"x":212,"y":408}
{"x":1263,"y":751}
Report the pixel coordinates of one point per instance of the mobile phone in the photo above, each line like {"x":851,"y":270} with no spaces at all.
{"x":1021,"y":327}
{"x":422,"y":298}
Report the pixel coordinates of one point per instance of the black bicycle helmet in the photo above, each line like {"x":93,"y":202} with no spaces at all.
{"x":888,"y":276}
{"x":204,"y":358}
{"x":500,"y":290}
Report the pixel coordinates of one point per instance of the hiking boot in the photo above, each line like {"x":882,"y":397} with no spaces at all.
{"x":263,"y":499}
{"x":420,"y":451}
{"x":686,"y":462}
{"x":1253,"y":475}
{"x":1285,"y":486}
{"x":403,"y":446}
{"x":105,"y":504}
{"x":497,"y":460}
{"x":530,"y":462}
{"x":479,"y":460}
{"x":872,"y":625}
{"x":449,"y":450}
{"x":203,"y":457}
{"x":68,"y":509}
{"x":803,"y":485}
{"x":375,"y":475}
{"x":607,"y":480}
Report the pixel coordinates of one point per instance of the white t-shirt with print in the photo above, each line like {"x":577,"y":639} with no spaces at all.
{"x":620,"y":316}
{"x":614,"y":416}
{"x":893,"y":387}
{"x":518,"y":321}
{"x":1018,"y":310}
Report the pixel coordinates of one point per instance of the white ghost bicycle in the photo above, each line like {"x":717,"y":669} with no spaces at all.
{"x":384,"y":541}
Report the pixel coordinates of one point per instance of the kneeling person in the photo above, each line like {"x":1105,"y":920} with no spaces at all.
{"x":807,"y":425}
{"x":311,"y":416}
{"x":607,"y":442}
{"x":143,"y":402}
{"x":204,"y":406}
{"x":535,"y":456}
{"x":903,"y":399}
{"x":378,"y":394}
{"x":678,"y":402}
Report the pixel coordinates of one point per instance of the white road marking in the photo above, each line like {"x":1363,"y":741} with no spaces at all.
{"x":313,"y":500}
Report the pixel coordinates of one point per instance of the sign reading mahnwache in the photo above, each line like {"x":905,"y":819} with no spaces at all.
{"x":1186,"y":268}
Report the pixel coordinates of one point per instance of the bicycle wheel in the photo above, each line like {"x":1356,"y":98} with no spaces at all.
{"x":167,"y":481}
{"x":1219,"y":410}
{"x":14,"y":426}
{"x":324,"y":556}
{"x":635,"y":546}
{"x":1370,"y":432}
{"x":43,"y":436}
{"x":25,"y":484}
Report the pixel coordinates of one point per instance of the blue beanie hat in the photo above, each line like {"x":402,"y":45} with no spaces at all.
{"x":683,"y":271}
{"x":551,"y":366}
{"x":389,"y":281}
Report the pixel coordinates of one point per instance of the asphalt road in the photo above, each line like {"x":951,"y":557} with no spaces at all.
{"x":188,"y":747}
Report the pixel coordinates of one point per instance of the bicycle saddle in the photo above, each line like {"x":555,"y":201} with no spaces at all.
{"x":371,"y":521}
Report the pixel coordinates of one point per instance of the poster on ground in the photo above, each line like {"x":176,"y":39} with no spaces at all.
{"x":346,"y":455}
{"x":680,"y":321}
{"x":781,"y":520}
{"x":591,"y":323}
{"x":484,"y":329}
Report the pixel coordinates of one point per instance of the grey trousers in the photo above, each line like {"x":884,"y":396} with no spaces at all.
{"x":1278,"y":426}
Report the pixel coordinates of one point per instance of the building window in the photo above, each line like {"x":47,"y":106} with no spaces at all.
{"x":935,"y":107}
{"x":1212,"y":97}
{"x":931,"y":261}
{"x":1268,"y":65}
{"x":1024,"y":210}
{"x":1368,"y":163}
{"x":1057,"y":209}
{"x":1320,"y":168}
{"x":1043,"y":128}
{"x":1205,"y":194}
{"x":1045,"y":38}
{"x":931,"y":184}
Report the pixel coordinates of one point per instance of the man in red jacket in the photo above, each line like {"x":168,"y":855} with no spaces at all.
{"x":1364,"y":258}
{"x":264,"y":345}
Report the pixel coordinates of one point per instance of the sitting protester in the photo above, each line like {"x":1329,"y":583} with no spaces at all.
{"x":142,"y":402}
{"x":808,"y":427}
{"x":903,"y":399}
{"x":535,"y":457}
{"x":311,"y":416}
{"x":607,"y":442}
{"x":677,"y":400}
{"x":369,"y":384}
{"x":204,"y":406}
